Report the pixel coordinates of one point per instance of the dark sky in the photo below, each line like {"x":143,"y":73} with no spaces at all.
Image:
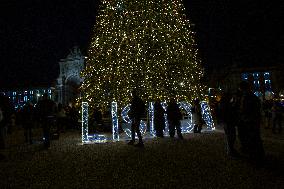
{"x":36,"y":34}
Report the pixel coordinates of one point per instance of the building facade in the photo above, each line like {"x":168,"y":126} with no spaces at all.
{"x":265,"y":81}
{"x":19,"y":97}
{"x":67,"y":84}
{"x":69,"y":80}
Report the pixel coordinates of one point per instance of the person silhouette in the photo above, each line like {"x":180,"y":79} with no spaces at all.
{"x":228,"y":116}
{"x":137,"y":110}
{"x":47,"y":112}
{"x":249,"y":124}
{"x":28,"y":120}
{"x":159,"y":119}
{"x":197,"y":116}
{"x":174,"y":117}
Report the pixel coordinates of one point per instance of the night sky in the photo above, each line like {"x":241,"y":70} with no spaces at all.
{"x":36,"y":34}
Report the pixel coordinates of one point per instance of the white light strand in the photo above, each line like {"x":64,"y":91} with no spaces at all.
{"x":165,"y":106}
{"x":86,"y":138}
{"x":206,"y":115}
{"x":186,"y":124}
{"x":115,"y":132}
{"x":85,"y":116}
{"x":151,"y":121}
{"x":97,"y":138}
{"x":127,"y":125}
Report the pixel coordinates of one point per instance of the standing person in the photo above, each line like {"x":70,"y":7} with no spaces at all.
{"x":2,"y":133}
{"x":267,"y":108}
{"x":159,"y":118}
{"x":174,"y":117}
{"x":47,"y":111}
{"x":228,"y":115}
{"x":197,"y":116}
{"x":137,"y":110}
{"x":6,"y":111}
{"x":60,"y":119}
{"x":277,"y":116}
{"x":27,"y":121}
{"x":73,"y":116}
{"x":249,"y":125}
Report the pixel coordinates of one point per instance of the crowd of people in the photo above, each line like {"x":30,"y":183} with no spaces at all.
{"x":240,"y":113}
{"x":46,"y":114}
{"x":273,"y":115}
{"x":174,"y":117}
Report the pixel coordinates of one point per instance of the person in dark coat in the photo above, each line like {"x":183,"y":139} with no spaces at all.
{"x":47,"y":112}
{"x":61,"y":119}
{"x":249,"y":125}
{"x":174,"y":117}
{"x":277,"y":111}
{"x":72,"y":116}
{"x":197,"y":116}
{"x":6,"y":113}
{"x":2,"y":133}
{"x":159,"y":119}
{"x":137,"y":110}
{"x":27,"y":121}
{"x":228,"y":115}
{"x":267,"y":108}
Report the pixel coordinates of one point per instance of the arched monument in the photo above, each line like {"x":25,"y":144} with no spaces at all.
{"x":69,"y":78}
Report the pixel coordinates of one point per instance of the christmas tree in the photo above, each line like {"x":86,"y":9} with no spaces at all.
{"x":147,"y":45}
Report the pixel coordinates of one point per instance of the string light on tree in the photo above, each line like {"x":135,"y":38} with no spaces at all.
{"x":146,"y":45}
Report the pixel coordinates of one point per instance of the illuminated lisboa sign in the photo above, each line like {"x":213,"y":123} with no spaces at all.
{"x":187,"y":124}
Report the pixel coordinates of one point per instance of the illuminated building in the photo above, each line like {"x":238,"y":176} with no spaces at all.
{"x":20,"y":97}
{"x":263,"y":79}
{"x":69,"y":78}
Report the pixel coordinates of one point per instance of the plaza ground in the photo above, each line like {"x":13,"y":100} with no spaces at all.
{"x":198,"y":161}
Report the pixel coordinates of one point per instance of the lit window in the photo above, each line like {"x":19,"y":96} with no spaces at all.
{"x":245,"y":76}
{"x":266,"y":75}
